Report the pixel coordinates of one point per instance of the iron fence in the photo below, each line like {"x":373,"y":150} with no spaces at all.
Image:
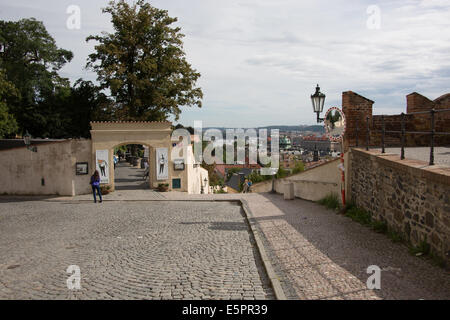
{"x":432,"y":132}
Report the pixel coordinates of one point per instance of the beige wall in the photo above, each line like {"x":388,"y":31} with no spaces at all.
{"x":195,"y":174}
{"x":313,"y":184}
{"x":22,"y":170}
{"x":108,"y":135}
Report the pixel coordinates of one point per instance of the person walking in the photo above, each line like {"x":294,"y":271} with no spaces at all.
{"x":245,"y":186}
{"x":249,"y":186}
{"x":116,"y":159}
{"x":95,"y":183}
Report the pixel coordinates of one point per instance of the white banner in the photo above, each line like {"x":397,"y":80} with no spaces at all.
{"x":102,"y":165}
{"x":162,"y":164}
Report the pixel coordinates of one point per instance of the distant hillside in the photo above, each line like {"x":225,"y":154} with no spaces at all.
{"x":313,"y":128}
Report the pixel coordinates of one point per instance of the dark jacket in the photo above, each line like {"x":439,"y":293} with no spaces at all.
{"x":95,"y":181}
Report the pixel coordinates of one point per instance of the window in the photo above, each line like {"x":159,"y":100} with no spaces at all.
{"x":176,"y":183}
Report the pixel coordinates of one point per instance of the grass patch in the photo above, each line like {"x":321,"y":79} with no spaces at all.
{"x":379,"y":226}
{"x":395,"y":236}
{"x":422,"y":249}
{"x":359,"y":215}
{"x":331,"y":201}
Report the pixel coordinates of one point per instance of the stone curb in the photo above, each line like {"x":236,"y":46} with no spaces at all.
{"x":276,"y":285}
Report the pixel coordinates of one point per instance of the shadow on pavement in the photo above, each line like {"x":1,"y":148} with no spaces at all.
{"x":306,"y":238}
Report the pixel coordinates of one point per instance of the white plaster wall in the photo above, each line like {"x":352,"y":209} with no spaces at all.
{"x":21,"y":170}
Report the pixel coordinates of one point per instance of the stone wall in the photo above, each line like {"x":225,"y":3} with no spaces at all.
{"x":411,"y":197}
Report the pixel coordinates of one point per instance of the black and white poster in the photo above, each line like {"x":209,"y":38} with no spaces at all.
{"x":162,"y":164}
{"x":102,"y":165}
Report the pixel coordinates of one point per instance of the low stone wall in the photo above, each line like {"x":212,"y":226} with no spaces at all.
{"x":313,"y":184}
{"x":410,"y":196}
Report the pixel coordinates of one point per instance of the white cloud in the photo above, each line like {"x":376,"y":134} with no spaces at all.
{"x":260,"y":59}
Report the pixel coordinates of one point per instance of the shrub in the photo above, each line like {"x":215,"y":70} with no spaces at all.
{"x":423,"y":248}
{"x":359,"y":215}
{"x":163,"y":187}
{"x":299,"y":167}
{"x":331,"y":201}
{"x":379,"y":226}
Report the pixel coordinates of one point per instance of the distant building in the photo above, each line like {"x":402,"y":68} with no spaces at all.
{"x":322,"y":143}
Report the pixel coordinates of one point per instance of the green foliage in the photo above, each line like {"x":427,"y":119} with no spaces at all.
{"x":31,"y":61}
{"x":143,"y":63}
{"x":299,"y":167}
{"x":423,"y":248}
{"x":231,"y":171}
{"x":379,"y":226}
{"x":359,"y":215}
{"x":331,"y":201}
{"x":395,"y":236}
{"x":8,"y":124}
{"x":282,"y":173}
{"x":255,"y":177}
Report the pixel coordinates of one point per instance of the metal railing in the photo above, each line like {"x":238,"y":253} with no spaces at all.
{"x":403,"y":132}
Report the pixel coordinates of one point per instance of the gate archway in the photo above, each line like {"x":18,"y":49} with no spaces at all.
{"x":106,"y":135}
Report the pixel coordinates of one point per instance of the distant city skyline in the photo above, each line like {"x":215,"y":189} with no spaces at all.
{"x":260,"y":60}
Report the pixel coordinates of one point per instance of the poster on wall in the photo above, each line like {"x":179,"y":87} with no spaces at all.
{"x":102,"y":165}
{"x":162,"y":164}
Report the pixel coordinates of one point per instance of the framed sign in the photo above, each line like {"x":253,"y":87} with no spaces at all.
{"x":102,"y":165}
{"x":162,"y":164}
{"x":81,"y":168}
{"x":178,"y":164}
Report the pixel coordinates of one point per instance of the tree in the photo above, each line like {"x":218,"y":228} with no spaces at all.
{"x":31,"y":60}
{"x":143,"y":63}
{"x":8,"y":124}
{"x":86,"y":103}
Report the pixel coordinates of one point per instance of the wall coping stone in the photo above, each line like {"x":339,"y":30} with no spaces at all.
{"x":419,"y":168}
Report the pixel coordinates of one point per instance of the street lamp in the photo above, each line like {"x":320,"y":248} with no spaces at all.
{"x":318,"y":100}
{"x":202,"y":190}
{"x":27,"y":141}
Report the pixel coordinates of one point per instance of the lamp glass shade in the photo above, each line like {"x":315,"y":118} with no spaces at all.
{"x":318,"y":100}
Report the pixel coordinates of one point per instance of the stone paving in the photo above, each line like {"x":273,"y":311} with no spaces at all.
{"x":319,"y":254}
{"x":441,"y":154}
{"x":316,"y":253}
{"x":128,"y":250}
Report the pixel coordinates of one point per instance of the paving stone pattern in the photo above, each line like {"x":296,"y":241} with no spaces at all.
{"x":128,"y":250}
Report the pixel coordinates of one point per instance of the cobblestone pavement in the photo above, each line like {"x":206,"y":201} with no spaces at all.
{"x":128,"y":250}
{"x":441,"y":154}
{"x":319,"y":254}
{"x":127,"y":177}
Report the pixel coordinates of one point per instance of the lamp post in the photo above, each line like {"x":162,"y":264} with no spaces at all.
{"x":202,"y":189}
{"x":27,"y":141}
{"x":318,"y":100}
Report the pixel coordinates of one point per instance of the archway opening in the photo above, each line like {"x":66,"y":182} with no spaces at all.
{"x":131,"y":168}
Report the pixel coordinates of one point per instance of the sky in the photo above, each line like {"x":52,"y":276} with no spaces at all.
{"x":260,"y":60}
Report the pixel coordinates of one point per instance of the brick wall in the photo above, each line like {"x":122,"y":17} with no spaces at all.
{"x":357,"y":108}
{"x":412,"y":201}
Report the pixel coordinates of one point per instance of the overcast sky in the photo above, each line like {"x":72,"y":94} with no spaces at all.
{"x":261,"y":59}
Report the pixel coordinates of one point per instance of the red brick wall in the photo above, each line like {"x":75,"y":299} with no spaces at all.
{"x":357,"y":108}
